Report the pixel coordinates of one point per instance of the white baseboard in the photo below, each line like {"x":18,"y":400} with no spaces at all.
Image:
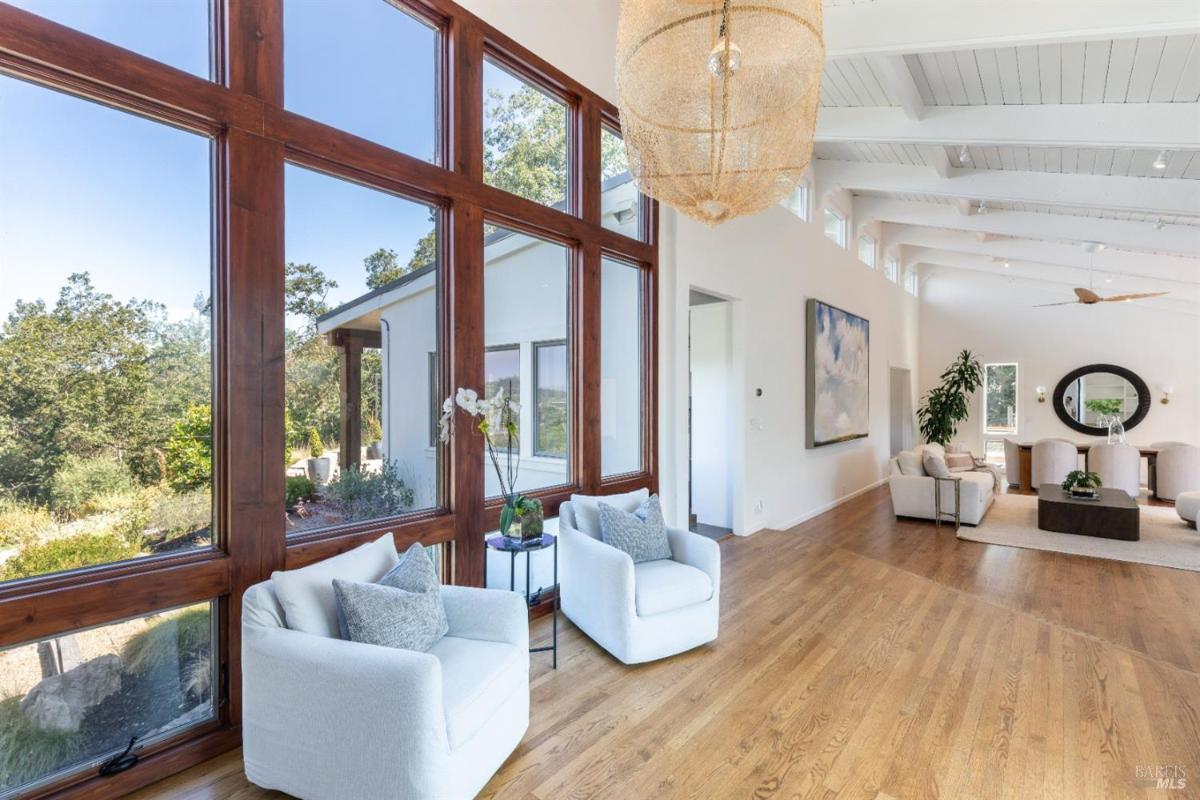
{"x":816,"y":512}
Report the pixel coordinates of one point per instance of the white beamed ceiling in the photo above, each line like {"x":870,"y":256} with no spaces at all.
{"x":1074,"y":89}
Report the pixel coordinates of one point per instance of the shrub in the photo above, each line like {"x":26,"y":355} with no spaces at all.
{"x":189,"y":450}
{"x":368,"y":495}
{"x":177,"y":512}
{"x":174,"y":639}
{"x":316,"y":447}
{"x":28,"y":752}
{"x":81,"y":481}
{"x":20,"y":521}
{"x":71,"y":552}
{"x":297,"y":489}
{"x":372,"y":429}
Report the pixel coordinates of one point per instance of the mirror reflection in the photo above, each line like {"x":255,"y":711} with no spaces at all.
{"x":1096,"y":397}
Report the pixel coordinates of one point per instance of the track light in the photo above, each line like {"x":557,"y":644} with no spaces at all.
{"x":964,"y":155}
{"x":1161,"y":161}
{"x":1007,"y":265}
{"x":1159,"y":224}
{"x":983,"y":206}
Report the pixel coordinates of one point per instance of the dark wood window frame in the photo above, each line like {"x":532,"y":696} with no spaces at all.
{"x":254,"y":136}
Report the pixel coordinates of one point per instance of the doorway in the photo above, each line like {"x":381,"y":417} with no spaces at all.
{"x":710,"y":406}
{"x":900,"y":414}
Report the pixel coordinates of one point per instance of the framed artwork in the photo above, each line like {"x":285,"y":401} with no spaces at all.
{"x":838,"y":387}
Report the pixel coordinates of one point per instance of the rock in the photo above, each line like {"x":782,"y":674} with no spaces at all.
{"x":59,"y":702}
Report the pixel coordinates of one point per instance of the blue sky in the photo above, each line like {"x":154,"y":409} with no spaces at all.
{"x":88,"y":188}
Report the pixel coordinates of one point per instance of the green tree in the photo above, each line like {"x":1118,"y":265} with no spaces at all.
{"x":1001,"y":394}
{"x":305,"y":288}
{"x":525,"y":144}
{"x":383,"y":267}
{"x":189,"y":450}
{"x":73,"y":380}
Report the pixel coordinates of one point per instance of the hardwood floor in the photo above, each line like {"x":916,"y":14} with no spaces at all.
{"x":864,"y":657}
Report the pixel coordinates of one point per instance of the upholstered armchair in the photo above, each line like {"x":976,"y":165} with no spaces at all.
{"x":330,"y":719}
{"x":1052,"y":460}
{"x":1178,"y":471}
{"x":1118,"y":465}
{"x":638,"y":612}
{"x":1012,"y":461}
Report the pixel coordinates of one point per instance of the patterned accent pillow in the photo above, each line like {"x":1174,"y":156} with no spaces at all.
{"x":410,"y":616}
{"x":372,"y":613}
{"x":642,"y":534}
{"x":960,"y":462}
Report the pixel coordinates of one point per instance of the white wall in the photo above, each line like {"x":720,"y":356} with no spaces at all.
{"x":994,"y":318}
{"x":711,"y":368}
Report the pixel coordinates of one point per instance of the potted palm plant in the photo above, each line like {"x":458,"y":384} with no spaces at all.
{"x":946,"y":405}
{"x":521,"y":517}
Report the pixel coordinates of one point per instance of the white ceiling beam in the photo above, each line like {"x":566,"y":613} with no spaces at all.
{"x":1164,"y":196}
{"x":898,"y":80}
{"x":1158,"y":126}
{"x":1152,"y":266}
{"x":923,"y":26}
{"x":1181,"y":240}
{"x":935,"y":156}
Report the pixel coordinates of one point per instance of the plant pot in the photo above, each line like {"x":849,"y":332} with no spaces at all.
{"x":374,"y":451}
{"x":529,"y":526}
{"x":1085,"y":494}
{"x":318,"y":469}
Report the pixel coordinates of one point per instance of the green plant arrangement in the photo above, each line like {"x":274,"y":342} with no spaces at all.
{"x":945,"y":406}
{"x":298,"y":489}
{"x":498,"y":413}
{"x":316,"y":448}
{"x":1081,"y":482}
{"x":1106,"y":406}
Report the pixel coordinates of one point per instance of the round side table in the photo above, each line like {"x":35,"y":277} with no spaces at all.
{"x":504,"y":544}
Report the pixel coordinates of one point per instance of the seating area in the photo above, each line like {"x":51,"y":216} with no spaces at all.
{"x":540,"y":399}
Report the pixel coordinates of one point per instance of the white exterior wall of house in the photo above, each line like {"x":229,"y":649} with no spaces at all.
{"x":526,"y":302}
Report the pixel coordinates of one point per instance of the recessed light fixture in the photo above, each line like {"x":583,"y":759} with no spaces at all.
{"x":1161,"y":161}
{"x":1007,"y":265}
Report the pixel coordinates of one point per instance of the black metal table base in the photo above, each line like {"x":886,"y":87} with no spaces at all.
{"x":503,"y":545}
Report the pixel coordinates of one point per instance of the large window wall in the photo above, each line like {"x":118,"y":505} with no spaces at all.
{"x":249,"y":246}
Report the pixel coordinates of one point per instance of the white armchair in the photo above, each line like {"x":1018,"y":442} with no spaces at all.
{"x":638,"y":612}
{"x":328,"y":719}
{"x":1012,"y":461}
{"x":1052,"y":460}
{"x":1178,"y":471}
{"x":1118,"y":465}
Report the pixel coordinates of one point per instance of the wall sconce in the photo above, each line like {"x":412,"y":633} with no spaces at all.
{"x":1041,"y":393}
{"x":1166,"y":391}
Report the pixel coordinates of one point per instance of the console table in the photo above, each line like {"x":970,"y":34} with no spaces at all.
{"x":1025,"y":467}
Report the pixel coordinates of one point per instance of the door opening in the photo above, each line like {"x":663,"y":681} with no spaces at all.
{"x":710,"y":407}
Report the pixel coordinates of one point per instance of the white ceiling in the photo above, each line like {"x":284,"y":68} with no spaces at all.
{"x":1050,"y":119}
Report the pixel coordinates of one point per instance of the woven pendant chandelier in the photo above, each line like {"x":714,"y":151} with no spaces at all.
{"x":718,"y":100}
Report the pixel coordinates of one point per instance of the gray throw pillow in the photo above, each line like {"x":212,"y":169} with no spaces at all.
{"x":935,"y":465}
{"x":642,"y":534}
{"x":372,"y":613}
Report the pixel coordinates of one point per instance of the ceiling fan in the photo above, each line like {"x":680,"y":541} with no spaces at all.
{"x":1088,"y":296}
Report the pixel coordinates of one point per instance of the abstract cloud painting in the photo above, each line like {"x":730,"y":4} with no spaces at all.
{"x":839,"y":384}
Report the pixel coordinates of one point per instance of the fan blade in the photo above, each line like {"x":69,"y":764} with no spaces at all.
{"x":1087,"y":296}
{"x":1121,"y":298}
{"x":1067,"y":303}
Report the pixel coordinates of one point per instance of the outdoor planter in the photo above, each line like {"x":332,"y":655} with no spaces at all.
{"x":319,"y":469}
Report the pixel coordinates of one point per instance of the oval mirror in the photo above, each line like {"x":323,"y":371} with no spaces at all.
{"x":1086,"y":398}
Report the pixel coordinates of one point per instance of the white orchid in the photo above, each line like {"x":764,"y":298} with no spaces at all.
{"x":496,"y":414}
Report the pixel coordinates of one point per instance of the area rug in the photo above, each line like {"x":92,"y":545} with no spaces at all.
{"x":1166,"y":541}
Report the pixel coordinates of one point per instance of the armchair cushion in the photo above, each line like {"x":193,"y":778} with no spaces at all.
{"x":478,"y":678}
{"x":666,"y":585}
{"x":306,"y":594}
{"x":373,"y":613}
{"x":641,"y":533}
{"x":586,"y":508}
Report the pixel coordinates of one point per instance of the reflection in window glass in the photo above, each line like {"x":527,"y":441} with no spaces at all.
{"x":620,"y":368}
{"x":105,"y":343}
{"x":366,"y":67}
{"x":149,"y":677}
{"x":620,"y":201}
{"x":835,"y":227}
{"x":176,"y":33}
{"x":552,"y":405}
{"x":502,"y":370}
{"x":524,"y":138}
{"x":525,"y":305}
{"x":360,"y":288}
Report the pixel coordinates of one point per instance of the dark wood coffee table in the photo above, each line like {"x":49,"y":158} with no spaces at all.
{"x":1113,"y":516}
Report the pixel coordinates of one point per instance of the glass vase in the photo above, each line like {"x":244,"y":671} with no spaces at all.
{"x":1116,"y":431}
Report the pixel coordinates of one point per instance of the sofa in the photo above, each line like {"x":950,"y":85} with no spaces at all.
{"x":330,"y":719}
{"x":637,"y":612}
{"x":912,"y":489}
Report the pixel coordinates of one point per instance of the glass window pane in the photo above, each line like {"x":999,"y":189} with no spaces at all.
{"x":524,"y":138}
{"x":797,"y":202}
{"x":891,"y":269}
{"x":620,"y":368}
{"x":366,"y":67}
{"x":866,"y":251}
{"x":1000,"y":391}
{"x":105,"y":344}
{"x":502,"y":370}
{"x":835,"y":227}
{"x":149,"y":677}
{"x":361,"y":291}
{"x":177,"y":33}
{"x":525,"y":305}
{"x":552,"y":404}
{"x":620,"y":201}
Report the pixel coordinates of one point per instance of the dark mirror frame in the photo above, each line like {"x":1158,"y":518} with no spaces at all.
{"x":1139,"y":414}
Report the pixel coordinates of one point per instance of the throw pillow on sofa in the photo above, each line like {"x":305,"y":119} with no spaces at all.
{"x":960,"y":462}
{"x":642,"y":534}
{"x":408,"y":615}
{"x":935,"y":465}
{"x":909,"y":462}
